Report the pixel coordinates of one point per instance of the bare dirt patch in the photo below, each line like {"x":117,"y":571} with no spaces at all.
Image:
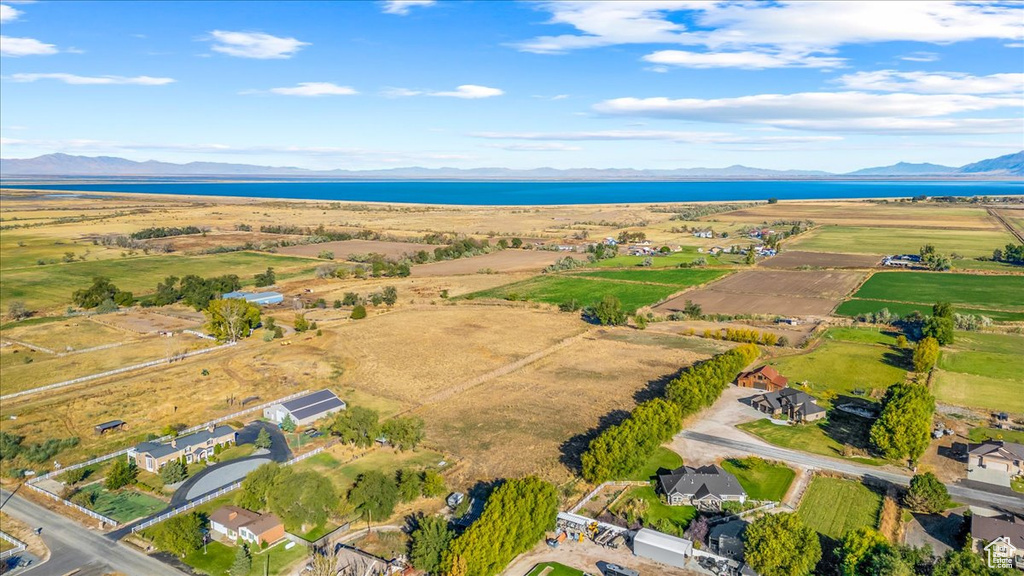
{"x":795,"y":334}
{"x":150,"y":322}
{"x":771,"y":292}
{"x":503,"y":261}
{"x":213,"y":239}
{"x":345,"y":249}
{"x":798,"y":259}
{"x":71,"y":334}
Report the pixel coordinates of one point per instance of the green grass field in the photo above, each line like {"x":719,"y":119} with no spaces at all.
{"x":982,"y":370}
{"x":217,"y":558}
{"x":982,"y":434}
{"x":556,"y":570}
{"x":861,"y":335}
{"x":662,"y":458}
{"x":685,"y":256}
{"x":386,"y":461}
{"x":557,"y":289}
{"x":125,"y":505}
{"x":21,"y":249}
{"x":841,"y":367}
{"x":657,"y":511}
{"x":51,"y":286}
{"x":857,"y":306}
{"x":682,"y":277}
{"x":833,"y":506}
{"x":995,"y":293}
{"x":761,"y":479}
{"x":866,"y":240}
{"x":806,"y":438}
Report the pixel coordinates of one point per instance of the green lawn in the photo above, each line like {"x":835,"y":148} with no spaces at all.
{"x":982,"y":370}
{"x":239,"y":451}
{"x":981,"y":434}
{"x":866,"y":240}
{"x":857,"y":306}
{"x":967,"y":290}
{"x":682,"y":277}
{"x":685,"y":256}
{"x":560,"y":288}
{"x":218,"y":558}
{"x":662,"y":458}
{"x":657,"y":511}
{"x":761,"y":479}
{"x":123,"y":505}
{"x":842,"y":367}
{"x":383,"y":460}
{"x":51,"y":286}
{"x":556,"y":570}
{"x":834,"y":506}
{"x":811,"y":438}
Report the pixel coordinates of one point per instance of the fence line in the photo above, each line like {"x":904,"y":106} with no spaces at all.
{"x":575,"y":509}
{"x":31,"y":346}
{"x":18,"y":545}
{"x":199,"y":334}
{"x":81,"y":509}
{"x":149,"y":364}
{"x":212,"y":495}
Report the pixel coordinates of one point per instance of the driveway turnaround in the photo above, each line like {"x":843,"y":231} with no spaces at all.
{"x":214,"y":478}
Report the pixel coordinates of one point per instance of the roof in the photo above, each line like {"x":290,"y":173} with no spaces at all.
{"x":110,"y":424}
{"x":661,"y":540}
{"x":263,"y":524}
{"x":770,"y":373}
{"x":989,"y":529}
{"x":710,"y":480}
{"x":1008,"y":450}
{"x":242,"y":517}
{"x":159,"y":450}
{"x":788,"y":397}
{"x":312,"y":404}
{"x":254,"y":296}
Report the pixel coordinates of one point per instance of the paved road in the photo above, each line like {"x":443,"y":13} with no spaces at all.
{"x":73,"y":547}
{"x":959,"y":492}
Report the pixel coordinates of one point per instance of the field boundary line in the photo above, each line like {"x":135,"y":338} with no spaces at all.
{"x":116,"y":371}
{"x":1010,"y":228}
{"x":31,"y":346}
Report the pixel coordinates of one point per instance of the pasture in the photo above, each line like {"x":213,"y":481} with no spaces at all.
{"x":66,"y":335}
{"x":345,"y":249}
{"x":834,"y":506}
{"x":561,"y":288}
{"x":501,"y":261}
{"x":861,"y":213}
{"x":794,"y":259}
{"x":51,"y":286}
{"x":983,"y":293}
{"x":855,"y":307}
{"x":687,"y":255}
{"x":970,"y":243}
{"x":838,"y":368}
{"x":982,"y":371}
{"x":675,"y":277}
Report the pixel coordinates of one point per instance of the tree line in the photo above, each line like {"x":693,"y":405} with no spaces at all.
{"x":165,"y":232}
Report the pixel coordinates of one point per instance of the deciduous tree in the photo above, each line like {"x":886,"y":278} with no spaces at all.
{"x":231,"y":319}
{"x":927,"y":494}
{"x":781,"y":545}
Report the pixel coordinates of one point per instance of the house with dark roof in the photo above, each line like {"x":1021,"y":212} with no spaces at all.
{"x":705,"y":487}
{"x":305,"y":409}
{"x":792,"y":404}
{"x":763,"y":378}
{"x":152,"y":456}
{"x":998,"y":456}
{"x":726,"y":539}
{"x":233,"y":523}
{"x":1006,"y":531}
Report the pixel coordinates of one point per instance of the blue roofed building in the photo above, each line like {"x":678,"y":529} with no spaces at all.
{"x":258,"y":298}
{"x":305,"y":409}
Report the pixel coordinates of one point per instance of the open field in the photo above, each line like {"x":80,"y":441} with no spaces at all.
{"x":201,"y":243}
{"x":345,"y":249}
{"x":885,"y":240}
{"x":981,"y":434}
{"x":70,"y":334}
{"x":549,"y":409}
{"x":799,"y":259}
{"x":840,"y":368}
{"x":677,"y":277}
{"x":977,"y":293}
{"x":770,"y":292}
{"x":24,"y":249}
{"x":834,"y":506}
{"x":795,"y":334}
{"x":501,"y":261}
{"x":387,"y":461}
{"x":856,"y":306}
{"x":761,"y":479}
{"x":982,"y":371}
{"x":152,"y":321}
{"x":561,"y":288}
{"x":671,"y":260}
{"x":51,"y":286}
{"x":865,"y":213}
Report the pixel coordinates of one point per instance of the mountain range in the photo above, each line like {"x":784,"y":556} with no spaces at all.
{"x":66,"y":165}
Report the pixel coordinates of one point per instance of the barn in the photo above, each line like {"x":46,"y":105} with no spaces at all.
{"x":661,"y":547}
{"x":305,"y":409}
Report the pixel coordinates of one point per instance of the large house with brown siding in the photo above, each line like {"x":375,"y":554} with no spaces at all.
{"x":152,"y":456}
{"x":764,"y":378}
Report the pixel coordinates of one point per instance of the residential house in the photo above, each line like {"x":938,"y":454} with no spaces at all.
{"x":233,"y":523}
{"x":902,"y":261}
{"x":1006,"y":532}
{"x":152,"y":456}
{"x":609,"y":241}
{"x":999,"y":456}
{"x":305,"y":409}
{"x":793,"y":404}
{"x":763,"y":378}
{"x":705,"y":233}
{"x":726,"y":539}
{"x":706,"y":487}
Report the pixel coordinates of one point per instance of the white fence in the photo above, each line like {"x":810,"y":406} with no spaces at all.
{"x":602,"y":486}
{"x":81,"y":509}
{"x":18,"y":545}
{"x":198,"y":334}
{"x":149,"y":364}
{"x":211,"y":496}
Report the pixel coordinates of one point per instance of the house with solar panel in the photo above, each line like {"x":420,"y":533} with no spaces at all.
{"x":305,"y":409}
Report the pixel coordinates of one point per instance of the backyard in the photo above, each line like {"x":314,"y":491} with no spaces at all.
{"x":123,"y":505}
{"x":981,"y":370}
{"x":654,"y":513}
{"x":834,"y":506}
{"x":554,"y":569}
{"x":761,"y":479}
{"x":216,"y":559}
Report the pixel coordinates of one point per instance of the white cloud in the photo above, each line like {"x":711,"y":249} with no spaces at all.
{"x":465,"y":91}
{"x":315,"y":89}
{"x":536,"y":147}
{"x":934,"y":82}
{"x":854,"y":111}
{"x":255,"y":45}
{"x":553,"y":98}
{"x":920,"y":57}
{"x":796,"y":29}
{"x":669,"y":135}
{"x":8,"y":13}
{"x":402,"y":7}
{"x":10,"y":46}
{"x":92,"y":80}
{"x":470,"y":92}
{"x":743,"y":59}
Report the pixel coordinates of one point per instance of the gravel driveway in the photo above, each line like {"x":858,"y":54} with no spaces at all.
{"x":720,"y":420}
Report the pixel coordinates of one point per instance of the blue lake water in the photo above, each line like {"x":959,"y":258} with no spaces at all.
{"x":516,"y":193}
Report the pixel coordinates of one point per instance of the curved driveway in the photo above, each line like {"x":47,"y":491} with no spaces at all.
{"x":215,"y":478}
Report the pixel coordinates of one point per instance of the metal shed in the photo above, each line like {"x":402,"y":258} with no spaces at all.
{"x":661,"y":547}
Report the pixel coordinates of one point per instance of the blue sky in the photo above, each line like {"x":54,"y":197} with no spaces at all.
{"x":676,"y":84}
